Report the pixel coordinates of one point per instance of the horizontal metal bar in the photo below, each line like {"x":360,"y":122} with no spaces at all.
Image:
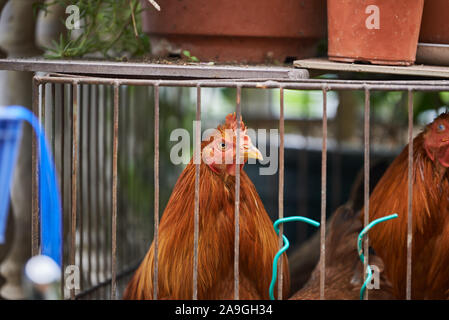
{"x":267,"y":84}
{"x":348,"y":81}
{"x":139,"y":69}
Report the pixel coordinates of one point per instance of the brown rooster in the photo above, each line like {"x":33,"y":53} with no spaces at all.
{"x":258,"y":241}
{"x":304,"y":259}
{"x":430,"y":254}
{"x":344,"y":271}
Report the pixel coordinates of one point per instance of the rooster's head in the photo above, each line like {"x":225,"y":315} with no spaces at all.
{"x":220,"y":152}
{"x":436,"y":140}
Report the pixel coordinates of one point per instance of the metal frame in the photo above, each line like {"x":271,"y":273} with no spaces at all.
{"x":323,"y":85}
{"x":152,"y":70}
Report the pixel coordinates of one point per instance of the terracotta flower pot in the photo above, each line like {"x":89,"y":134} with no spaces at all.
{"x":237,"y":30}
{"x":356,"y":35}
{"x":435,"y":22}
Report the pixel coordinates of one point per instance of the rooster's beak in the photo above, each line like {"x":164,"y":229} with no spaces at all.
{"x":250,"y":151}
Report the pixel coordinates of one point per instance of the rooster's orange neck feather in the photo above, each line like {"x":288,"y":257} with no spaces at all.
{"x":430,"y":215}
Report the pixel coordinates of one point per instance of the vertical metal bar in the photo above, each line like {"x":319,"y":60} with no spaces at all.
{"x":104,"y":207}
{"x":237,"y":200}
{"x":97,"y":180}
{"x":74,"y":170}
{"x":197,"y":191}
{"x":156,"y":190}
{"x":42,"y":118}
{"x":89,"y":190}
{"x":408,"y":293}
{"x":124,"y":141}
{"x":114,"y":194}
{"x":281,"y":189}
{"x":35,"y":177}
{"x":53,"y":118}
{"x":128,"y":253}
{"x":366,"y":166}
{"x":81,"y":185}
{"x":62,"y":128}
{"x":323,"y":199}
{"x":42,"y":111}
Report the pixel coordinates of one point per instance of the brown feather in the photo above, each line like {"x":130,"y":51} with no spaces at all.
{"x":344,"y":270}
{"x":258,"y":242}
{"x":430,"y":257}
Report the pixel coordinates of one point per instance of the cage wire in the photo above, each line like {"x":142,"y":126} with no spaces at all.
{"x":111,"y":141}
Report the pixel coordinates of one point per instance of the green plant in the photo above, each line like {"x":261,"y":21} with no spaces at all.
{"x":188,"y":55}
{"x":110,"y":27}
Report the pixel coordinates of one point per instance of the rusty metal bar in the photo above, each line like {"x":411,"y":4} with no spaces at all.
{"x":53,"y":117}
{"x":323,"y":199}
{"x":128,"y":254}
{"x":104,"y":207}
{"x":81,"y":188}
{"x":237,"y":200}
{"x":123,"y":255}
{"x":156,"y":190}
{"x":262,"y":83}
{"x":89,"y":190}
{"x":197,"y":192}
{"x":96,"y":121}
{"x":42,"y":118}
{"x":74,"y":171}
{"x":408,"y":293}
{"x":281,"y":190}
{"x":277,"y":79}
{"x":61,"y":176}
{"x":366,"y":167}
{"x":35,"y":179}
{"x":114,"y":196}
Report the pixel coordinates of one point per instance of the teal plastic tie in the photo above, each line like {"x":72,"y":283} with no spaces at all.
{"x":360,"y":250}
{"x":285,"y":247}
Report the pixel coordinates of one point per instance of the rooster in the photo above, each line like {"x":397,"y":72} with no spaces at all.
{"x":344,"y":271}
{"x":303,"y":260}
{"x":430,"y":253}
{"x":258,"y":240}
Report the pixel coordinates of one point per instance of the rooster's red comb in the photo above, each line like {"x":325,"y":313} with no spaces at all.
{"x":231,"y":122}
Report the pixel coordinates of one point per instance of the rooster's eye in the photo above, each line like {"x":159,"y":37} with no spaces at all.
{"x":223,"y":145}
{"x":441,"y":128}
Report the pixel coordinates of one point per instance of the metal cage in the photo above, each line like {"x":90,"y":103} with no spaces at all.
{"x":91,"y":206}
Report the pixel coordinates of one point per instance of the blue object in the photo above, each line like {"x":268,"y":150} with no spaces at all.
{"x":285,"y":247}
{"x":11,"y":119}
{"x":9,"y":140}
{"x":360,"y":250}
